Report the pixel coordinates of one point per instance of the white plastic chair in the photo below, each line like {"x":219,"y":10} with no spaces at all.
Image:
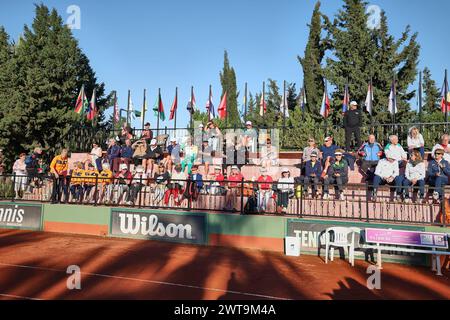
{"x":341,"y":241}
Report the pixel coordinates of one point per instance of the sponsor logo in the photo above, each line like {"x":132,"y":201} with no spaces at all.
{"x":11,"y":216}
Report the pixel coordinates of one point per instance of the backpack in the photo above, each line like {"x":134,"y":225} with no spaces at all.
{"x":29,"y":160}
{"x":251,"y":207}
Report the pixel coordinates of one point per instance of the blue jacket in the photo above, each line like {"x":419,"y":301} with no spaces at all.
{"x":371,"y":152}
{"x":198,"y":180}
{"x":309,"y":169}
{"x":126,"y":152}
{"x":113,"y":152}
{"x":433,"y":168}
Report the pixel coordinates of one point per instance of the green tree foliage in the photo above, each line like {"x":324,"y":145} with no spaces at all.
{"x":228,"y":81}
{"x":39,"y":86}
{"x":431,"y":100}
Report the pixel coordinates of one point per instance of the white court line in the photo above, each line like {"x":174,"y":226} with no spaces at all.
{"x":17,"y":297}
{"x":148,"y":281}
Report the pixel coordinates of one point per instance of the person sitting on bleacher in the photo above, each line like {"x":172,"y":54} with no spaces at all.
{"x":414,"y":176}
{"x":370,"y":152}
{"x":193,"y":186}
{"x":138,"y":182}
{"x":217,"y":186}
{"x":313,"y":171}
{"x":76,"y":180}
{"x":190,"y":152}
{"x":176,"y":185}
{"x":438,"y":173}
{"x":161,"y":178}
{"x":444,"y":145}
{"x":396,"y":150}
{"x":307,"y":151}
{"x":173,"y":156}
{"x":387,"y":172}
{"x":336,"y":174}
{"x":122,"y":181}
{"x":105,"y":180}
{"x":89,"y":181}
{"x":327,"y":150}
{"x":154,"y":155}
{"x":264,"y":190}
{"x":233,"y":189}
{"x":285,"y":188}
{"x":269,"y":155}
{"x":415,"y":141}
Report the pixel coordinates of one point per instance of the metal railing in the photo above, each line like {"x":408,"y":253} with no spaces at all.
{"x":244,"y":197}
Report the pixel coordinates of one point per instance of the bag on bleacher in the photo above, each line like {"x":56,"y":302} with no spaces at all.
{"x":251,"y":207}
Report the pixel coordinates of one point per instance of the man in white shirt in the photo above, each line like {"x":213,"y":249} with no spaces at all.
{"x":387,"y":172}
{"x":396,"y":150}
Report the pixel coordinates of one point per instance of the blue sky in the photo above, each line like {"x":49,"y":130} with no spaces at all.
{"x":163,"y":44}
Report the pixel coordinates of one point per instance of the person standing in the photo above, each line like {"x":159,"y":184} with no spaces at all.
{"x":31,"y":163}
{"x":96,"y":156}
{"x":19,"y":169}
{"x":352,"y":125}
{"x":59,"y":168}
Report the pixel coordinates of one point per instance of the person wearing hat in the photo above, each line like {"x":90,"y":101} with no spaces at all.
{"x":122,"y":181}
{"x":352,"y":125}
{"x":264,"y":192}
{"x":154,"y":155}
{"x":147,"y":134}
{"x":327,"y":150}
{"x":443,"y":144}
{"x":337,"y":175}
{"x":190,"y":152}
{"x":235,"y":181}
{"x":173,"y":154}
{"x":217,"y":186}
{"x":138,"y":181}
{"x":194,"y":185}
{"x":205,"y":156}
{"x":285,"y":188}
{"x":313,"y":171}
{"x":249,"y":140}
{"x":438,"y":173}
{"x":269,"y":155}
{"x":387,"y":172}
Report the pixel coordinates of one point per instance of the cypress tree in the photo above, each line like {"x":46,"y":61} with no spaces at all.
{"x":431,"y":108}
{"x":228,"y":81}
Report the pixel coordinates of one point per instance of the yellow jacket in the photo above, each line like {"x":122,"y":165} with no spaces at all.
{"x":89,"y":176}
{"x":59,"y":165}
{"x":105,"y":177}
{"x":77,"y":176}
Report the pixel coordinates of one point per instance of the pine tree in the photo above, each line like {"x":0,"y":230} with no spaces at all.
{"x":43,"y":79}
{"x":228,"y":81}
{"x":431,"y":109}
{"x":311,"y":64}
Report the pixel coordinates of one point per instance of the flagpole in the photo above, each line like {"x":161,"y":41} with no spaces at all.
{"x":394,"y":104}
{"x":245,"y":103}
{"x":192,"y":108}
{"x":371,"y":104}
{"x":420,"y":99}
{"x":263,"y":97}
{"x":326,"y":118}
{"x":445,"y":99}
{"x":175,"y":116}
{"x":128,"y":108}
{"x":143,"y":109}
{"x":115,"y":109}
{"x":284,"y":102}
{"x":209,"y":103}
{"x":159,"y":101}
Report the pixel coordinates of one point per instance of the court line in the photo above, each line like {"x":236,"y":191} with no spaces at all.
{"x":148,"y":281}
{"x":17,"y":297}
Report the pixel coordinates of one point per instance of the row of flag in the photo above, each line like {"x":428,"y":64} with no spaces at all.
{"x":82,"y":105}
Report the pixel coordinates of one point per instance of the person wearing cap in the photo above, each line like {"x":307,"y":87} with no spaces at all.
{"x":138,"y":181}
{"x":414,"y":176}
{"x":76,"y":181}
{"x":19,"y":169}
{"x":327,"y":150}
{"x":396,"y":150}
{"x":337,"y":175}
{"x":122,"y":181}
{"x":444,"y":145}
{"x":96,"y":156}
{"x":438,"y":173}
{"x":313,"y":171}
{"x":312,"y":147}
{"x":154,"y":155}
{"x":59,"y":167}
{"x":113,"y":155}
{"x":269,"y":155}
{"x":387,"y":172}
{"x":285,"y":188}
{"x":173,"y":154}
{"x":205,"y":155}
{"x":190,"y":152}
{"x":193,"y":186}
{"x":176,"y":185}
{"x":147,"y":134}
{"x":370,"y":153}
{"x":352,"y":125}
{"x":105,"y":180}
{"x":233,"y":187}
{"x":264,"y":192}
{"x":89,"y":178}
{"x":217,"y":186}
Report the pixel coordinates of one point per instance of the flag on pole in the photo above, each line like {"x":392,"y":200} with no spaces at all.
{"x":222,"y":110}
{"x":346,"y":100}
{"x":132,"y":112}
{"x":174,"y":107}
{"x":262,"y":106}
{"x":284,"y":109}
{"x":210,"y":106}
{"x":159,"y":108}
{"x":116,"y":110}
{"x":392,"y":107}
{"x":92,"y":112}
{"x":369,"y":99}
{"x":302,"y":99}
{"x":443,"y":108}
{"x":192,"y":106}
{"x":82,"y":102}
{"x":325,"y":107}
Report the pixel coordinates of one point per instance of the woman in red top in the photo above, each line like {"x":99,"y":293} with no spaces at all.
{"x":234,"y":184}
{"x":264,"y":190}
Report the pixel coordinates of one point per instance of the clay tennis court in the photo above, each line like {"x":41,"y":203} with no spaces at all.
{"x":33,"y":266}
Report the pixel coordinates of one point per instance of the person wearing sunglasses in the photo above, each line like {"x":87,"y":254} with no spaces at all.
{"x":438,"y":173}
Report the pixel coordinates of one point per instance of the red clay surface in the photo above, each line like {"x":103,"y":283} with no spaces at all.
{"x":33,"y":266}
